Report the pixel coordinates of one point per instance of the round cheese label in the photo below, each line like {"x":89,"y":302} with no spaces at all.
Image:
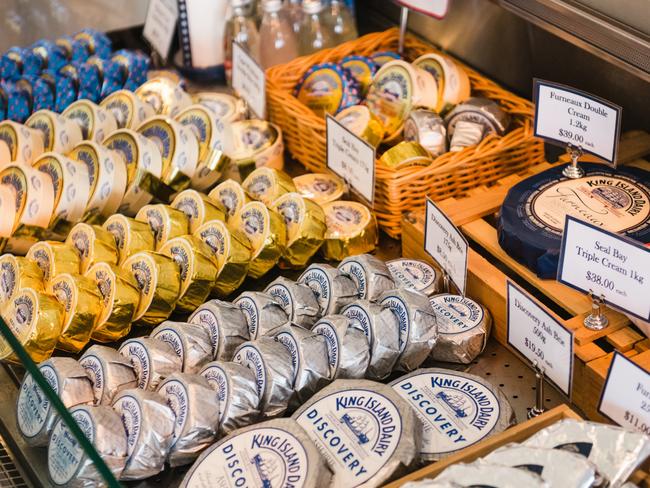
{"x":390,"y":95}
{"x":255,"y":220}
{"x":401,"y":311}
{"x":321,"y":89}
{"x":33,"y":406}
{"x":95,"y":371}
{"x":332,"y":342}
{"x":137,"y":354}
{"x":317,"y":279}
{"x":252,"y":314}
{"x":130,"y":411}
{"x":345,"y":219}
{"x":218,"y":380}
{"x":126,"y":145}
{"x":360,"y":317}
{"x":413,"y":274}
{"x":171,"y":337}
{"x":250,"y":357}
{"x":163,"y":136}
{"x":320,"y":187}
{"x":65,"y":454}
{"x":283,"y":296}
{"x":176,"y":397}
{"x":217,"y":236}
{"x":289,"y":341}
{"x":209,"y":321}
{"x":356,"y":271}
{"x":456,"y":314}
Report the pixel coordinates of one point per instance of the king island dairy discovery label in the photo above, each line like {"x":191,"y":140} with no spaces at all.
{"x":33,"y":406}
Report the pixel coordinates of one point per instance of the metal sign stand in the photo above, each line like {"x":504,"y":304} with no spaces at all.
{"x":538,"y":409}
{"x":403,"y":23}
{"x":597,"y":320}
{"x":574,"y":171}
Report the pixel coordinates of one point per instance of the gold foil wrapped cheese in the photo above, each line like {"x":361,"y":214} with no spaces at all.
{"x":81,"y":303}
{"x":359,"y":120}
{"x":159,"y":282}
{"x":198,"y":272}
{"x":131,"y":236}
{"x":93,"y":244}
{"x":267,"y":184}
{"x":406,"y":154}
{"x":320,"y":187}
{"x":35,"y":318}
{"x":17,"y":273}
{"x":165,"y":96}
{"x":231,"y":250}
{"x":254,"y":143}
{"x":165,"y":222}
{"x":305,"y":223}
{"x":120,"y":298}
{"x":231,"y":195}
{"x":198,"y":207}
{"x":267,"y":234}
{"x":351,"y":229}
{"x":54,"y":258}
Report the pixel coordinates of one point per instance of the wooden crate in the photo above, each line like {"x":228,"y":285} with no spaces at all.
{"x":487,"y":272}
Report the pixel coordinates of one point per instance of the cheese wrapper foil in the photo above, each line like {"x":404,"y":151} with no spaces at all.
{"x":351,"y":229}
{"x":164,"y":221}
{"x":231,"y":196}
{"x":109,"y":373}
{"x":267,"y":185}
{"x":347,"y":347}
{"x":131,"y":236}
{"x":93,"y":244}
{"x":152,"y":361}
{"x":54,"y":258}
{"x":190,"y":342}
{"x":199,"y":208}
{"x":370,"y":274}
{"x":298,"y":301}
{"x":226,"y":325}
{"x":333,"y":289}
{"x":17,"y":272}
{"x":263,"y":313}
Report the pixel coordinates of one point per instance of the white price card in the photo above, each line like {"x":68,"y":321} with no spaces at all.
{"x":432,"y":8}
{"x":160,"y":25}
{"x":564,"y":115}
{"x":610,"y":265}
{"x":248,"y":80}
{"x":445,"y":243}
{"x":352,"y":158}
{"x":625,"y":398}
{"x":540,"y":337}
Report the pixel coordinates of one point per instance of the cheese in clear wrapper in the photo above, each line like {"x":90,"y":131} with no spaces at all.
{"x":351,"y":229}
{"x":370,"y":274}
{"x":267,"y":234}
{"x":69,"y":465}
{"x":271,"y":363}
{"x":347,"y":346}
{"x":267,"y":185}
{"x":263,"y":313}
{"x":231,"y":195}
{"x":152,"y":361}
{"x":109,"y":373}
{"x":196,"y":407}
{"x":190,"y":342}
{"x":35,"y":414}
{"x":131,"y":236}
{"x":36,"y":319}
{"x":236,"y":388}
{"x":198,"y":207}
{"x":25,"y":144}
{"x":231,"y":250}
{"x":93,"y":244}
{"x":17,"y":272}
{"x":198,"y":272}
{"x":426,"y":128}
{"x":297,"y":300}
{"x":60,"y":134}
{"x":120,"y":298}
{"x":54,"y":258}
{"x":305,"y":223}
{"x":418,"y":328}
{"x":341,"y":411}
{"x":332,"y":288}
{"x":149,"y":425}
{"x":322,"y":188}
{"x":159,"y":281}
{"x":413,"y":274}
{"x":81,"y":303}
{"x":165,"y":222}
{"x":226,"y":324}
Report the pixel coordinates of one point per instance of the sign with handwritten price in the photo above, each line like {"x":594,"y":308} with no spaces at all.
{"x":160,"y":25}
{"x":248,"y":80}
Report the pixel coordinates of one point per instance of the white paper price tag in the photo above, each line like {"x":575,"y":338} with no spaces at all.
{"x":608,"y":264}
{"x":352,"y":158}
{"x":432,"y":8}
{"x":160,"y":25}
{"x":626,"y":395}
{"x":445,"y":243}
{"x":565,"y":115}
{"x":540,"y":337}
{"x":248,"y":80}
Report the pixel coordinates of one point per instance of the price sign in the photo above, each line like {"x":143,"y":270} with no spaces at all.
{"x":160,"y":25}
{"x":352,"y":158}
{"x":626,"y":395}
{"x":432,"y":8}
{"x":540,"y":337}
{"x":610,"y":265}
{"x":248,"y":80}
{"x":564,"y":115}
{"x":445,"y":243}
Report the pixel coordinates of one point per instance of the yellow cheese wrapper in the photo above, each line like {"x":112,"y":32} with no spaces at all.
{"x":267,"y":184}
{"x":231,"y":196}
{"x":18,"y":272}
{"x":54,"y":258}
{"x":93,"y":244}
{"x":131,"y":236}
{"x":351,"y":229}
{"x":198,"y":207}
{"x":164,"y":221}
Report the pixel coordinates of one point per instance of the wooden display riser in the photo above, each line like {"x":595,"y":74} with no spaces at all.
{"x":487,"y":273}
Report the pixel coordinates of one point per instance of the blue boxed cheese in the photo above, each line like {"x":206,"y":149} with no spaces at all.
{"x":190,"y":342}
{"x":367,"y":433}
{"x":457,"y":409}
{"x":226,"y":324}
{"x":262,"y":311}
{"x":348,"y":349}
{"x":370,"y":274}
{"x":333,"y":289}
{"x":275,"y":453}
{"x":297,"y":300}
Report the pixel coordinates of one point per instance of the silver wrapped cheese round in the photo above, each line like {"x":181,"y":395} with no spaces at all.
{"x":109,"y":372}
{"x":149,"y":425}
{"x":254,"y":451}
{"x":456,"y":409}
{"x":381,"y":328}
{"x":416,"y":275}
{"x":297,"y":300}
{"x":370,"y":274}
{"x":463,"y":328}
{"x":152,"y":360}
{"x":347,"y":346}
{"x":226,"y":324}
{"x":368,"y":434}
{"x":68,"y":463}
{"x":263,"y":313}
{"x":418,"y":329}
{"x":333,"y":289}
{"x":190,"y":342}
{"x":271,"y":363}
{"x":35,"y":414}
{"x":309,"y":359}
{"x":196,"y":407}
{"x":236,"y":387}
{"x":483,"y":474}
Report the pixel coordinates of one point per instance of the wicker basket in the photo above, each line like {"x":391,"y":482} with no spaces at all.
{"x":397,"y":191}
